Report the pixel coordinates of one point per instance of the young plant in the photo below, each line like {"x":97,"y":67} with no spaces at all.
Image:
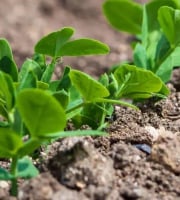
{"x":156,"y":26}
{"x":30,"y":113}
{"x":91,"y":101}
{"x":34,"y":109}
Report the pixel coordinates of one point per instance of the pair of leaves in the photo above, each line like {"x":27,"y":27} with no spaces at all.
{"x":57,"y":44}
{"x":132,"y":82}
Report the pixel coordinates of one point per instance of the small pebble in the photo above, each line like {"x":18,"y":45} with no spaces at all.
{"x":143,"y":147}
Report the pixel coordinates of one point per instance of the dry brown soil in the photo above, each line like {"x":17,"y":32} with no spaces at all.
{"x":101,"y":168}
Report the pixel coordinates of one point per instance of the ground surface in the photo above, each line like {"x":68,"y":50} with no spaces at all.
{"x":105,"y":168}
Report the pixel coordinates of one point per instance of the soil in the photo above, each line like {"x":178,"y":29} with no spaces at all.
{"x":139,"y":159}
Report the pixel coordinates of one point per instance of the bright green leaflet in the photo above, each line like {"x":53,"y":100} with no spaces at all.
{"x":83,"y":46}
{"x":124,"y":15}
{"x":89,"y":88}
{"x":138,"y":83}
{"x":51,"y":44}
{"x":7,"y":63}
{"x":41,"y":112}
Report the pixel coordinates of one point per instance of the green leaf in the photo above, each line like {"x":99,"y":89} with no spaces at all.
{"x":83,"y":46}
{"x":137,"y":83}
{"x":7,"y":63}
{"x":5,"y":175}
{"x":51,"y":44}
{"x":26,"y":169}
{"x":10,"y":142}
{"x":42,"y":85}
{"x":89,"y":88}
{"x":62,"y":97}
{"x":124,"y":15}
{"x":29,"y":147}
{"x":29,"y":81}
{"x":140,"y":57}
{"x":152,"y":8}
{"x":7,"y":91}
{"x":169,"y":20}
{"x":29,"y":65}
{"x":41,"y":112}
{"x":164,"y":70}
{"x":65,"y":82}
{"x":92,"y":114}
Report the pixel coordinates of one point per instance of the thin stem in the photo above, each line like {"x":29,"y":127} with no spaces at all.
{"x":47,"y":75}
{"x":75,"y":107}
{"x":123,"y":103}
{"x":14,"y":185}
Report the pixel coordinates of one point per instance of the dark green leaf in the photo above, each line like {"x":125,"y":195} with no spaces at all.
{"x":62,"y":97}
{"x":51,"y":44}
{"x":89,"y":88}
{"x":5,"y":175}
{"x":7,"y":63}
{"x":7,"y":91}
{"x":124,"y":15}
{"x":8,"y":66}
{"x":41,"y":112}
{"x":26,"y":169}
{"x":83,"y":46}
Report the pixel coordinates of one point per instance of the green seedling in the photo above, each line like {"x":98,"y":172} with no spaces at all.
{"x":44,"y":119}
{"x":34,"y":109}
{"x":91,"y":101}
{"x":156,"y":27}
{"x":32,"y":113}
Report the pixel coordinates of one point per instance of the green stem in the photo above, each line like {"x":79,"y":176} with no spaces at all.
{"x":47,"y":75}
{"x":75,"y":107}
{"x":123,"y":103}
{"x":14,"y":185}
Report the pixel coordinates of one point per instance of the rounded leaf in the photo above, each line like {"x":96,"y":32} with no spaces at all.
{"x":51,"y":43}
{"x":89,"y":88}
{"x":124,"y":15}
{"x":82,"y":47}
{"x":41,"y":112}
